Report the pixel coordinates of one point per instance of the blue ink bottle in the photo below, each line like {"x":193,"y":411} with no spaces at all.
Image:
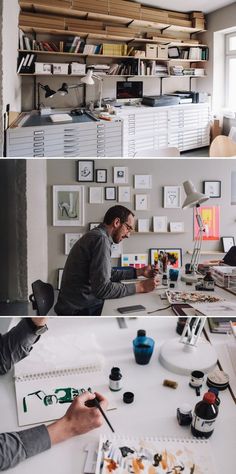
{"x":143,"y":347}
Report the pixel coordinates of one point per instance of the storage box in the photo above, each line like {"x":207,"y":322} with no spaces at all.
{"x":151,"y":50}
{"x":225,"y":277}
{"x":162,"y":51}
{"x":77,"y":69}
{"x":198,"y":23}
{"x":43,"y":68}
{"x":60,"y":68}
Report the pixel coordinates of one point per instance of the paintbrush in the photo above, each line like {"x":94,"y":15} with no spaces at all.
{"x":95,"y":403}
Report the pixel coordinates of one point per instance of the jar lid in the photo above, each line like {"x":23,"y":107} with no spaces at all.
{"x":185,"y":409}
{"x":218,"y":379}
{"x":128,"y":397}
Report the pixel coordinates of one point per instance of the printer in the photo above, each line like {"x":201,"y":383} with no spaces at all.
{"x":161,"y":100}
{"x":187,"y":97}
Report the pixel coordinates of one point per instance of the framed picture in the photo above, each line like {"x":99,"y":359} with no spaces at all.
{"x":211,"y":220}
{"x":141,"y":202}
{"x":227,"y":243}
{"x":70,"y":240}
{"x":143,"y":225}
{"x":101,"y":176}
{"x":116,"y":250}
{"x":96,"y":195}
{"x":68,"y":205}
{"x":59,"y":277}
{"x":143,"y":181}
{"x":110,"y":193}
{"x":176,"y":226}
{"x":124,"y":194}
{"x":120,"y":175}
{"x":136,"y":260}
{"x":174,"y":256}
{"x":85,"y":171}
{"x":159,"y":223}
{"x":93,"y":225}
{"x":172,"y":196}
{"x":212,"y":188}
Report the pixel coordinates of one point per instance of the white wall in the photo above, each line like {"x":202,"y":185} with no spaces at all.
{"x":11,"y":82}
{"x":37,"y":242}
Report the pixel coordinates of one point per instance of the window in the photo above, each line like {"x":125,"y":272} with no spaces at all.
{"x":231,"y":71}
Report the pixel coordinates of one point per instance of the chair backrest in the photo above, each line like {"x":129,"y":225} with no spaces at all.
{"x":222,"y":146}
{"x":42,"y":298}
{"x":169,"y":151}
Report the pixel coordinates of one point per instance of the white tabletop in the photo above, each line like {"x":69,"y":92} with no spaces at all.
{"x":153,"y":411}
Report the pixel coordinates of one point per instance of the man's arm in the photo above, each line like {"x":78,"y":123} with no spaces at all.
{"x":118,"y":274}
{"x":17,"y":343}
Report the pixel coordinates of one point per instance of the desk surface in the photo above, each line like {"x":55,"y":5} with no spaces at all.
{"x":152,"y":301}
{"x":154,"y":409}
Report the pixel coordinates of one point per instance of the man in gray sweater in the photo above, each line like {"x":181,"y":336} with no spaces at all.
{"x":79,"y":418}
{"x":88,"y":278}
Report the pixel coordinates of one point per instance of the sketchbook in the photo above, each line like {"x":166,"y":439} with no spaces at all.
{"x":56,"y":371}
{"x":154,"y":455}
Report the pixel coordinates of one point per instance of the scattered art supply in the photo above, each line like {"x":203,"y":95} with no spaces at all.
{"x":115,"y":378}
{"x":128,"y":397}
{"x":191,"y":297}
{"x":123,"y":454}
{"x":170,"y":383}
{"x":143,"y":347}
{"x":184,"y":415}
{"x":204,"y":416}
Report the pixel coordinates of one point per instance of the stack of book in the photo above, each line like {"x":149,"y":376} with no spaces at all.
{"x":101,"y":69}
{"x":92,"y":49}
{"x":110,"y":49}
{"x":176,"y":70}
{"x":220,"y":325}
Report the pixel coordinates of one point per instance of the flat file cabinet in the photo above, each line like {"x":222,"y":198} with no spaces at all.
{"x":87,"y":139}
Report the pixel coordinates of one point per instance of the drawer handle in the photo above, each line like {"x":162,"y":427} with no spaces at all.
{"x":40,"y":132}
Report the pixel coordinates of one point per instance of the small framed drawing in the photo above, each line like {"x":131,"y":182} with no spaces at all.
{"x":143,"y":181}
{"x":174,"y":256}
{"x":59,"y":277}
{"x":68,"y":205}
{"x":120,"y":175}
{"x":141,"y":202}
{"x":212,"y":188}
{"x":227,"y":243}
{"x":143,"y":225}
{"x":70,"y":240}
{"x":172,"y":196}
{"x":176,"y":226}
{"x":124,"y":194}
{"x":159,"y":223}
{"x":101,"y":176}
{"x":110,"y":193}
{"x":85,"y":171}
{"x":96,"y":195}
{"x":93,"y":225}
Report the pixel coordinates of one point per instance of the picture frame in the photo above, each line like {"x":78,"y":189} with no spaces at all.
{"x":124,"y":194}
{"x":143,"y":225}
{"x":59,"y":277}
{"x":110,"y":193}
{"x":172,"y":197}
{"x":96,"y":195}
{"x":120,"y":175}
{"x":142,"y":181}
{"x":85,"y":171}
{"x":176,"y":226}
{"x":141,"y":202}
{"x":174,"y":256}
{"x":210,"y":216}
{"x":116,"y":250}
{"x":212,"y":188}
{"x":101,"y":175}
{"x":160,"y":224}
{"x":68,"y":205}
{"x":70,"y":240}
{"x":93,"y":225}
{"x":227,"y":243}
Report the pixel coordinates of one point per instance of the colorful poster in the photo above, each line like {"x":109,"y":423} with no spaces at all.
{"x":211,"y":220}
{"x":134,"y":260}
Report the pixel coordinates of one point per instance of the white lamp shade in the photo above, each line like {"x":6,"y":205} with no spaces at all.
{"x":88,"y":79}
{"x":193,"y":197}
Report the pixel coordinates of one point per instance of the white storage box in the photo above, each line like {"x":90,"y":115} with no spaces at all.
{"x":162,"y":51}
{"x":77,"y":69}
{"x":60,"y":68}
{"x":43,"y":68}
{"x":151,"y":50}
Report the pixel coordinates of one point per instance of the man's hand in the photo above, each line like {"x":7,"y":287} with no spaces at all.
{"x":148,"y":271}
{"x":78,"y":419}
{"x":145,"y":286}
{"x":39,"y":321}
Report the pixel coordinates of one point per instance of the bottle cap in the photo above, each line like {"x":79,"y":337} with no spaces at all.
{"x":209,"y":397}
{"x":141,"y":333}
{"x":185,"y":409}
{"x":128,"y":397}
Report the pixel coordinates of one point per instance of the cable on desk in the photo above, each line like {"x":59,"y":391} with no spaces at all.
{"x":160,"y":309}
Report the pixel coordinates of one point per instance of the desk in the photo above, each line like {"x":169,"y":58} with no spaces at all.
{"x":152,"y":301}
{"x":153,"y":411}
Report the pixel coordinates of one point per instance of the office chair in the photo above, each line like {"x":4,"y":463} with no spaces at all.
{"x":42,"y":298}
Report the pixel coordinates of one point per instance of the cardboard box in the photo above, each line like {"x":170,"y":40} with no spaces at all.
{"x":198,"y":23}
{"x":43,"y":68}
{"x":78,"y":68}
{"x":151,"y":50}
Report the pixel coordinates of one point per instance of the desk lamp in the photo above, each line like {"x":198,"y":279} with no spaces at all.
{"x":189,"y":353}
{"x":49,"y":93}
{"x":89,"y":80}
{"x":64,"y":89}
{"x":194,"y":199}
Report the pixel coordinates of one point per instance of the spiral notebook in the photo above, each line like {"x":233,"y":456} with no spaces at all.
{"x":154,"y":455}
{"x":55,"y":372}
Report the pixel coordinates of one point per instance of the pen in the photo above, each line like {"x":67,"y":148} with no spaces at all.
{"x":95,"y":403}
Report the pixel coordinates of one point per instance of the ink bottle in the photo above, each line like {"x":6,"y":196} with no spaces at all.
{"x":208,"y":282}
{"x":164,"y":279}
{"x":184,"y":415}
{"x":115,"y":379}
{"x":143,"y":347}
{"x":204,"y":416}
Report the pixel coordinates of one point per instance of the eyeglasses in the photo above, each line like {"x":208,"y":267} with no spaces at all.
{"x":128,"y":227}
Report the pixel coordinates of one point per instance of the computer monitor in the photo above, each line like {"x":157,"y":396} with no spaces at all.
{"x":129,"y":90}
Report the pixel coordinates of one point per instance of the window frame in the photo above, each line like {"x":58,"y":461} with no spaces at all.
{"x":229,"y":54}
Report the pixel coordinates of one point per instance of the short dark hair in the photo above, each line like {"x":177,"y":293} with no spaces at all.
{"x":121,"y":212}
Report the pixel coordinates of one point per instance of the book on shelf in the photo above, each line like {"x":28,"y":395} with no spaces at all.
{"x":26,"y":63}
